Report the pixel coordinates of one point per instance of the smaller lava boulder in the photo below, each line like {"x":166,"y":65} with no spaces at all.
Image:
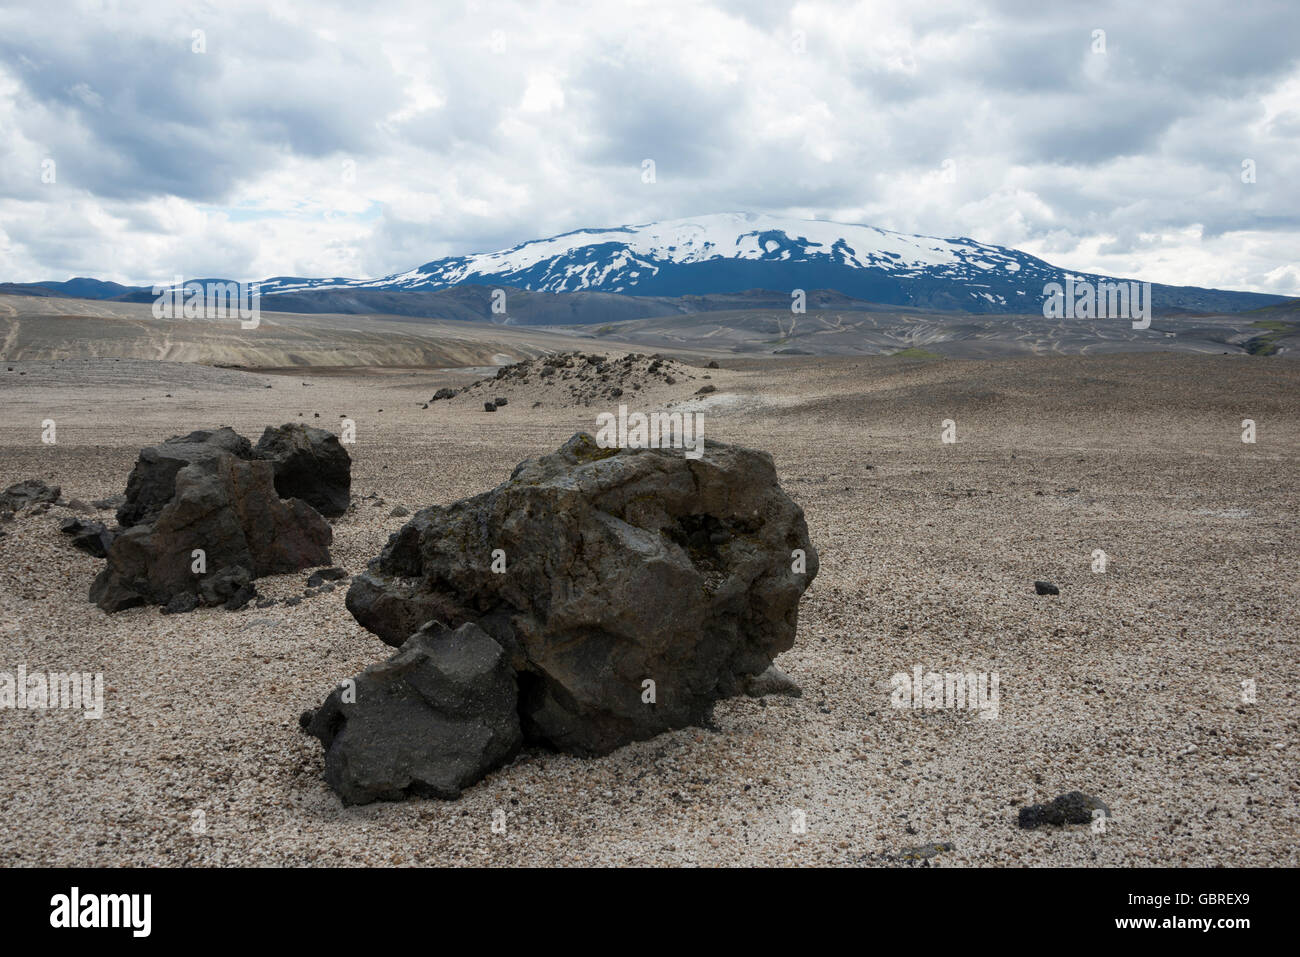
{"x":430,"y":721}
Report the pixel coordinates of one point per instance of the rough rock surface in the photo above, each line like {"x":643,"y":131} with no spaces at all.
{"x":622,"y":567}
{"x":431,"y":720}
{"x":310,"y":464}
{"x":224,"y":505}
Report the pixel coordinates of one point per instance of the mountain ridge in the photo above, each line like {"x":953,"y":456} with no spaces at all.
{"x":717,"y":254}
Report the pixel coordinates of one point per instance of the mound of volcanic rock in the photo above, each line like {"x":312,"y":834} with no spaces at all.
{"x":628,"y":591}
{"x":580,"y":378}
{"x":212,"y":492}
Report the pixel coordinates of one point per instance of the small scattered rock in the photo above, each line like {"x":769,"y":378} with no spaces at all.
{"x":221,"y":586}
{"x":772,"y":681}
{"x":181,"y":603}
{"x":1072,"y":808}
{"x":923,"y":852}
{"x":28,"y":492}
{"x":242,"y":597}
{"x":332,"y":574}
{"x":90,"y":537}
{"x":1046,"y":588}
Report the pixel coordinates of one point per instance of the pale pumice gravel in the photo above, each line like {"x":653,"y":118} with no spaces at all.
{"x":1128,"y":685}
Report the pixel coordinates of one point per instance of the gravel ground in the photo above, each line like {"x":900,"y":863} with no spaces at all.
{"x":1126,"y":685}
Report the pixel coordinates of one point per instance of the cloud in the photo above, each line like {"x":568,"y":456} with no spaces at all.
{"x":361,"y":140}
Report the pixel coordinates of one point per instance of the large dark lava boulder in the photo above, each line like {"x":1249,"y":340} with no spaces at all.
{"x":622,"y":567}
{"x":227,"y":507}
{"x":310,"y":464}
{"x":431,"y":720}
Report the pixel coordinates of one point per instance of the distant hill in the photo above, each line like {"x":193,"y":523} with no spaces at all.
{"x":81,"y":288}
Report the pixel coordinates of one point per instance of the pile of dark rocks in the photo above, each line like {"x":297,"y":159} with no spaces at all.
{"x":208,"y":513}
{"x":582,"y":378}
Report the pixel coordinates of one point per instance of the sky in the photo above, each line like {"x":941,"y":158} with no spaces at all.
{"x":141,"y":141}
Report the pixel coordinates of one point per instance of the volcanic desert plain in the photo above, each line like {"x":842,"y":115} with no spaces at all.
{"x":1127,"y":685}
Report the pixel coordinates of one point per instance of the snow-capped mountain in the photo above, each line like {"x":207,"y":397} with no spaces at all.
{"x":732,"y":252}
{"x":646,"y":270}
{"x":727,"y":252}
